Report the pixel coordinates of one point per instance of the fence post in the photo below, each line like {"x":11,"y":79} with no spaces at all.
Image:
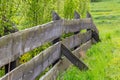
{"x":10,"y":66}
{"x":95,"y":35}
{"x":88,"y":15}
{"x":76,"y":16}
{"x":55,"y":17}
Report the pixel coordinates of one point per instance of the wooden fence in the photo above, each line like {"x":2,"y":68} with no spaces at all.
{"x":14,"y":45}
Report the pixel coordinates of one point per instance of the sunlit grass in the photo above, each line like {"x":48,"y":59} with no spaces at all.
{"x":102,"y":58}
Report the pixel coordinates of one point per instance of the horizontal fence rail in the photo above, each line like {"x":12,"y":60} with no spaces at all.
{"x":16,"y":44}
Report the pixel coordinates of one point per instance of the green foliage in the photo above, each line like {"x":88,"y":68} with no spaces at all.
{"x":8,"y":9}
{"x":69,"y":8}
{"x":82,"y":6}
{"x":39,"y":11}
{"x":2,"y":72}
{"x":36,"y":12}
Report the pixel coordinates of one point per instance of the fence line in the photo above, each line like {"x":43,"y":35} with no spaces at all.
{"x":14,"y":45}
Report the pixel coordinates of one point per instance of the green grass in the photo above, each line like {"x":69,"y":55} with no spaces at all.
{"x":102,"y":58}
{"x":2,"y":72}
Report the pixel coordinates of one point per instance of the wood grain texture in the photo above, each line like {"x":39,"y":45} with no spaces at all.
{"x":77,"y":39}
{"x":5,"y":49}
{"x":77,"y":25}
{"x":72,"y":58}
{"x":63,"y":64}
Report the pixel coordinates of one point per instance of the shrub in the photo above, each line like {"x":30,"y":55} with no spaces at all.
{"x":7,"y":13}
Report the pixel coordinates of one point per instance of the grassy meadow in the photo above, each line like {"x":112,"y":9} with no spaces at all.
{"x":102,"y":58}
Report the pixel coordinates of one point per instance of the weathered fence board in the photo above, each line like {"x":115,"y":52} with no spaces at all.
{"x":72,"y":58}
{"x":16,"y":44}
{"x":77,"y":39}
{"x":5,"y":49}
{"x":77,"y":25}
{"x":31,"y":69}
{"x":64,"y":63}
